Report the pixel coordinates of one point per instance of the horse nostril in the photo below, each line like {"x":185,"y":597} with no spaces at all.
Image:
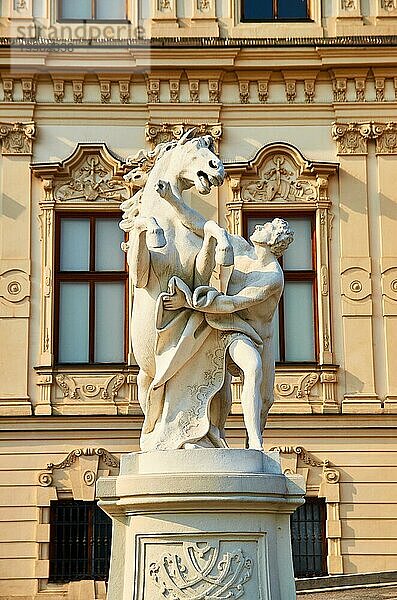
{"x":213,"y":164}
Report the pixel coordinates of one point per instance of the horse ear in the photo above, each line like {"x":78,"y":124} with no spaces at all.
{"x":186,"y":136}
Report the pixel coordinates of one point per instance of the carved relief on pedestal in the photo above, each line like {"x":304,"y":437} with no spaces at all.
{"x":17,"y":138}
{"x":165,"y":132}
{"x":202,"y":570}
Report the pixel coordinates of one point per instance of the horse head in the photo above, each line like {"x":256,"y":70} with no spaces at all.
{"x":198,"y":164}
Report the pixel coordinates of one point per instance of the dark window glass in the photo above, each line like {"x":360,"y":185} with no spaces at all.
{"x":269,"y":10}
{"x":292,"y":9}
{"x":255,"y":10}
{"x":91,"y":289}
{"x":80,"y":541}
{"x":309,"y":543}
{"x":295,"y":319}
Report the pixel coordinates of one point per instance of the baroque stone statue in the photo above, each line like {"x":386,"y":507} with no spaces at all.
{"x":188,"y":336}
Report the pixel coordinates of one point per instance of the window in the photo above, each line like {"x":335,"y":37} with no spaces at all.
{"x":90,"y":289}
{"x":80,"y":541}
{"x":294,"y":322}
{"x":309,"y":545}
{"x":93,"y":10}
{"x":274,"y":10}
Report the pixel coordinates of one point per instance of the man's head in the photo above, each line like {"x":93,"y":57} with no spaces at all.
{"x":276,"y":234}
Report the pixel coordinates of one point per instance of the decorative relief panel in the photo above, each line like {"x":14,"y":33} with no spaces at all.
{"x":79,"y":471}
{"x":17,"y":138}
{"x":92,"y":181}
{"x":198,"y":568}
{"x":352,"y":138}
{"x":14,"y":293}
{"x":279,"y":182}
{"x":202,"y":570}
{"x":356,"y":287}
{"x":165,"y":132}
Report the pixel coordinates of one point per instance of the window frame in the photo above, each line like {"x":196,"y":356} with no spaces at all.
{"x":275,"y":18}
{"x":92,"y":277}
{"x":322,"y":504}
{"x":293,"y":275}
{"x":90,"y":508}
{"x":93,"y":19}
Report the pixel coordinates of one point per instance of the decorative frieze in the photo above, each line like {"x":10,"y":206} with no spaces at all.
{"x":214,"y":90}
{"x":194,"y":90}
{"x":380,"y":89}
{"x":352,"y":138}
{"x":59,"y":90}
{"x":310,"y":90}
{"x":107,"y":389}
{"x":339,"y":87}
{"x":153,"y":90}
{"x":28,"y":90}
{"x":78,"y":91}
{"x":263,"y":91}
{"x":165,"y":132}
{"x":386,"y":137}
{"x":124,"y":91}
{"x":244,"y":91}
{"x":8,"y":88}
{"x":105,"y":90}
{"x":17,"y":138}
{"x":174,"y":90}
{"x":360,"y":85}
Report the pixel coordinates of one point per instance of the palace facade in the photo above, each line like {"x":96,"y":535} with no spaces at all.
{"x":301,"y":99}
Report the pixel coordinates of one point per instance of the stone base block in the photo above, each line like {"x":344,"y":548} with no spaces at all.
{"x":201,"y":524}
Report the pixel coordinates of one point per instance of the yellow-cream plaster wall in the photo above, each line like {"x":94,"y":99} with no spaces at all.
{"x":334,"y":422}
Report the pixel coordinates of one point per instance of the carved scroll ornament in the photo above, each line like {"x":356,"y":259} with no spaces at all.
{"x":200,"y":571}
{"x":166,"y":132}
{"x":46,"y":478}
{"x":279,"y":181}
{"x":17,"y":138}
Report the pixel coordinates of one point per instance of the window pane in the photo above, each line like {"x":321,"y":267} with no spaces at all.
{"x":110,"y":10}
{"x":276,"y":336}
{"x":299,"y":254}
{"x":109,"y":322}
{"x":257,"y":10}
{"x":73,"y":322}
{"x":292,"y":9}
{"x":76,"y":9}
{"x":298,"y":318}
{"x":108,"y":254}
{"x":75,"y":244}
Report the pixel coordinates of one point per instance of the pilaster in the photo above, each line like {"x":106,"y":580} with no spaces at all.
{"x":15,"y":266}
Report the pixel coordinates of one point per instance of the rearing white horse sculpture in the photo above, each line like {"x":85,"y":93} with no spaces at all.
{"x":165,"y":238}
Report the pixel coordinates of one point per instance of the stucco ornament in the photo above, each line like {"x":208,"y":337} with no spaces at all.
{"x":188,"y":335}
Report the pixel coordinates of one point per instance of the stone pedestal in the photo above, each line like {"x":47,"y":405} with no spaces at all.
{"x":201,"y":524}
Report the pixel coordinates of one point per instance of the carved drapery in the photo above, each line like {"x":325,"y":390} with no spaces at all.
{"x":280,"y":178}
{"x":90,"y":179}
{"x":322,"y":481}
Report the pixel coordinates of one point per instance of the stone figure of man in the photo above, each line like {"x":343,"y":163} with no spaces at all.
{"x":247,"y":308}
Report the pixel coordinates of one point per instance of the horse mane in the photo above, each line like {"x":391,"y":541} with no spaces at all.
{"x":144,"y":161}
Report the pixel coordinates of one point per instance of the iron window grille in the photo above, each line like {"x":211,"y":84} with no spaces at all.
{"x":308,"y":538}
{"x":80,"y":541}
